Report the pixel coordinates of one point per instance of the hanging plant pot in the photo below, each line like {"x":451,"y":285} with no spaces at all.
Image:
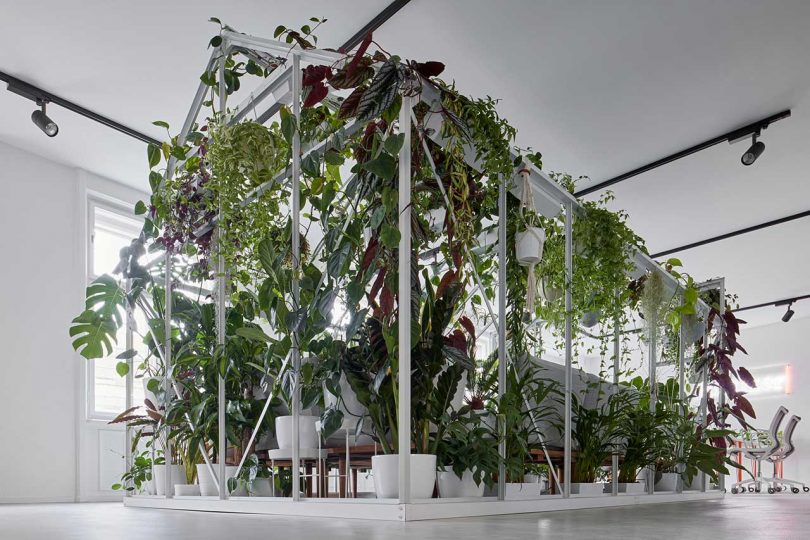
{"x":529,"y":245}
{"x":385,"y":469}
{"x":590,"y":318}
{"x":550,"y":293}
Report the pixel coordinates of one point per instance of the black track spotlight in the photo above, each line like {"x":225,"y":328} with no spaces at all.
{"x":44,"y":123}
{"x":788,"y":314}
{"x":753,"y":152}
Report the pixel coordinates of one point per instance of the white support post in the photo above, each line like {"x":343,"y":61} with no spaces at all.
{"x":404,"y":305}
{"x":681,"y":395}
{"x":502,"y":217}
{"x":222,"y":442}
{"x":617,"y":350}
{"x":167,"y":367}
{"x":569,"y":277}
{"x":721,"y":333}
{"x":129,"y":383}
{"x":652,"y":352}
{"x":295,"y":205}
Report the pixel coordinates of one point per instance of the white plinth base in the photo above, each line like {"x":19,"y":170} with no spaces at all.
{"x":390,"y":510}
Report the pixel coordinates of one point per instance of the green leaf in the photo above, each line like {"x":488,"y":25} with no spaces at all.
{"x":390,"y":236}
{"x":253,"y":333}
{"x":216,"y":41}
{"x":153,"y":153}
{"x":122,"y":368}
{"x":377,"y":217}
{"x":160,"y":123}
{"x":393,"y":144}
{"x":155,"y":179}
{"x":126,"y":355}
{"x":384,"y":166}
{"x":153,"y":385}
{"x":278,"y":31}
{"x":333,"y":157}
{"x":140,"y":208}
{"x":288,"y":124}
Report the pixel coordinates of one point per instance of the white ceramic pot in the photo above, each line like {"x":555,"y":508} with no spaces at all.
{"x":523,"y":490}
{"x":667,"y":482}
{"x":307,"y":431}
{"x":633,"y":488}
{"x":261,"y":487}
{"x":186,"y":490}
{"x":529,"y":245}
{"x":159,"y":477}
{"x":208,"y":486}
{"x":450,"y":485}
{"x":385,"y":469}
{"x":588,"y":489}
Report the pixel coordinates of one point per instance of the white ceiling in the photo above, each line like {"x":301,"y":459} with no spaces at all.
{"x":598,"y":87}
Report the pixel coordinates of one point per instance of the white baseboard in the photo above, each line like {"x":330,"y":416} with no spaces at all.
{"x":36,"y":500}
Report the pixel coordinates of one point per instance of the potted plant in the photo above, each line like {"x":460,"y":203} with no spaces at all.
{"x":138,"y":478}
{"x":643,"y":436}
{"x":439,"y":357}
{"x":467,"y":457}
{"x":594,"y":435}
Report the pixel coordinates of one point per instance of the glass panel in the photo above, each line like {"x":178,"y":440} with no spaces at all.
{"x":112,"y":231}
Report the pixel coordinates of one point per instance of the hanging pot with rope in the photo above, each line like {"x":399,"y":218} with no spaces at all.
{"x":529,"y":242}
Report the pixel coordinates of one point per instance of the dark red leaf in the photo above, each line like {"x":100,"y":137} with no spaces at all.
{"x":429,"y":69}
{"x":349,"y":106}
{"x":341,"y":79}
{"x":457,"y":340}
{"x":315,"y":74}
{"x":468,"y":326}
{"x":368,"y":256}
{"x":378,"y":283}
{"x":448,"y":278}
{"x":316,"y":95}
{"x":745,"y":406}
{"x":746,"y":377}
{"x":386,"y":301}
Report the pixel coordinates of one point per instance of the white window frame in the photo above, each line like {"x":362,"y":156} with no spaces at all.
{"x":95,"y":201}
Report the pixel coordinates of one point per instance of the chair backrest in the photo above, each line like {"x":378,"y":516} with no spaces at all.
{"x":773,"y":431}
{"x":788,"y":436}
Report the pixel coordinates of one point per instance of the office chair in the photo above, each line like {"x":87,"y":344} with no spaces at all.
{"x":779,"y":484}
{"x":752,"y":450}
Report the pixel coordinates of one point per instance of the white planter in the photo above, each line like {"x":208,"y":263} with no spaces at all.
{"x":386,"y":475}
{"x":208,"y":486}
{"x":450,"y":485}
{"x":667,"y":482}
{"x":261,"y":487}
{"x":529,"y":245}
{"x":525,"y":490}
{"x":159,"y":477}
{"x":588,"y":489}
{"x":633,"y":488}
{"x":307,"y":432}
{"x":186,"y":490}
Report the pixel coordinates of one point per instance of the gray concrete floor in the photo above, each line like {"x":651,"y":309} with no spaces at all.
{"x":742,"y":517}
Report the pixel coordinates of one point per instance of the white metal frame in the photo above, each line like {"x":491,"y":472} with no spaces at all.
{"x":550,"y":199}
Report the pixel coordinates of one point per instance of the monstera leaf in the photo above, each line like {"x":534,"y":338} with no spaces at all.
{"x":94,"y":331}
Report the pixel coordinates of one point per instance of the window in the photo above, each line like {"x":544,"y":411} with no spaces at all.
{"x":111,"y":227}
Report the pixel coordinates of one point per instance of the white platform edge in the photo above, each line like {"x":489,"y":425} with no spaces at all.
{"x":391,"y":511}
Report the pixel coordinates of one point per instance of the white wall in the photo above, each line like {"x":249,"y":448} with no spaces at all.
{"x":42,"y":220}
{"x":776,"y":345}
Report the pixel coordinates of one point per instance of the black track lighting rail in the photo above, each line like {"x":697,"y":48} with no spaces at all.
{"x":732,"y":234}
{"x":775,"y":303}
{"x":730,"y":137}
{"x":374,"y":24}
{"x":35,"y":93}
